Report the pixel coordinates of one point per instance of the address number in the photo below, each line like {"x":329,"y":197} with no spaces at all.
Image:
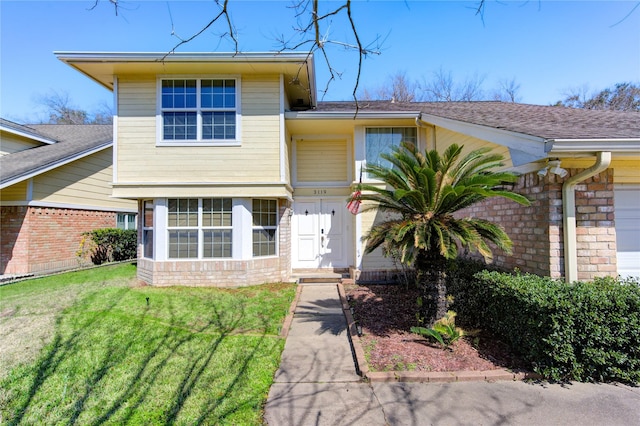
{"x":319,"y":192}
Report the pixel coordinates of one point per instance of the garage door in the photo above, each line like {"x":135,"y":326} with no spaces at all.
{"x":627,"y":214}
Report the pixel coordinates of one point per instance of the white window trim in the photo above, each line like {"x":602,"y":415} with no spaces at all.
{"x":153,"y":228}
{"x":276,"y":228}
{"x":126,"y":222}
{"x":200,"y":228}
{"x":160,"y":141}
{"x":361,"y":148}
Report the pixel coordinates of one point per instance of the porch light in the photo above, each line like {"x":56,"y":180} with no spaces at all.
{"x":553,"y":166}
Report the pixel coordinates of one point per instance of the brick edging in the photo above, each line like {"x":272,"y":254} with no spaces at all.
{"x":418,"y":376}
{"x":286,"y":324}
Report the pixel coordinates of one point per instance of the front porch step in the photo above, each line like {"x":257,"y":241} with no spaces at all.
{"x":319,"y":276}
{"x":320,"y":280}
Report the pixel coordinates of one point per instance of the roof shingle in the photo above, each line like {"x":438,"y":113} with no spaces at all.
{"x":74,"y":140}
{"x":547,"y":122}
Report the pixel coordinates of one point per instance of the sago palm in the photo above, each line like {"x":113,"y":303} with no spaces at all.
{"x":423,"y":191}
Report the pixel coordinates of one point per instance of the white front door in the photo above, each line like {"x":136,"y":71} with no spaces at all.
{"x":319,"y":234}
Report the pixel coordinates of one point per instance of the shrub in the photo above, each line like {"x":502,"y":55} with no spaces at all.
{"x":110,"y":245}
{"x":587,"y":331}
{"x":444,"y":330}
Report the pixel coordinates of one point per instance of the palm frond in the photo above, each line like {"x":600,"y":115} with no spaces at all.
{"x":425,"y":189}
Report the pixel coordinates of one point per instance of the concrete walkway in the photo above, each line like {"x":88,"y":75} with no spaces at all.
{"x":317,"y":384}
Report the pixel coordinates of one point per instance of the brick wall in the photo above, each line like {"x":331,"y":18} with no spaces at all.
{"x":595,"y":227}
{"x":537,"y":230}
{"x":48,"y":238}
{"x":14,"y":240}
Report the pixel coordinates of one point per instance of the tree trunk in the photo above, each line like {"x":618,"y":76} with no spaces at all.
{"x":432,"y":279}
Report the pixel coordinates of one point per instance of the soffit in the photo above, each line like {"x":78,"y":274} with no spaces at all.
{"x":104,"y":67}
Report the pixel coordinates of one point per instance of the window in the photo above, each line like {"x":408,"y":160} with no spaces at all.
{"x":216,"y":227}
{"x":147,"y":229}
{"x":199,"y":110}
{"x":265,"y":224}
{"x":199,"y":228}
{"x":381,"y":140}
{"x":126,"y":221}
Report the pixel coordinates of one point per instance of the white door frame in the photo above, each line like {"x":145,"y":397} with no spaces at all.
{"x":315,"y":242}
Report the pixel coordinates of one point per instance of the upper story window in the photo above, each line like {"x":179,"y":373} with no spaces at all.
{"x":199,"y":111}
{"x":381,"y":140}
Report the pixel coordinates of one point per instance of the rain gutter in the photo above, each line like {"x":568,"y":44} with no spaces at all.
{"x":603,"y":160}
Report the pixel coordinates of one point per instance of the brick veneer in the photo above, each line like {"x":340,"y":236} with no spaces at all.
{"x":537,"y":230}
{"x":40,"y":240}
{"x":223,"y":273}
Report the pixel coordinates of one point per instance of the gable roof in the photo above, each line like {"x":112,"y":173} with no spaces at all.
{"x":545,"y":122}
{"x":24,"y":131}
{"x":74,"y":142}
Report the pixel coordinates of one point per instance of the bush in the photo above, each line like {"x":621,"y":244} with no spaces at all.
{"x":587,"y":331}
{"x":111,"y":245}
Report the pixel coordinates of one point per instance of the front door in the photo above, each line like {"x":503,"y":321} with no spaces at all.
{"x":319,"y":234}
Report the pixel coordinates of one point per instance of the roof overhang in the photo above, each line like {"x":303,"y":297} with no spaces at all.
{"x":297,"y":68}
{"x":350,"y":115}
{"x":523,"y":148}
{"x":573,"y":147}
{"x":53,"y":165}
{"x":26,"y":134}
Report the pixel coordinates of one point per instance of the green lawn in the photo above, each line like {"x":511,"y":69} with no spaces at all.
{"x":108,"y":351}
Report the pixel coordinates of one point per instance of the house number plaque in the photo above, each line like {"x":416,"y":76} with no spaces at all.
{"x":319,"y":192}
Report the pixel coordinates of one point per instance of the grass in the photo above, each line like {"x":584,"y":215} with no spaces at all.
{"x":118,"y":353}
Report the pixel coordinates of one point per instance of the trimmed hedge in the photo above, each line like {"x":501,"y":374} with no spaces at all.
{"x":586,"y":331}
{"x":113,"y":245}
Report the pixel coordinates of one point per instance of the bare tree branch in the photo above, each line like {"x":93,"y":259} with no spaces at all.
{"x":224,"y":13}
{"x":633,"y":9}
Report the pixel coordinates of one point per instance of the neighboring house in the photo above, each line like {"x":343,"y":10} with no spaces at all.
{"x":241,"y":176}
{"x":55,"y":184}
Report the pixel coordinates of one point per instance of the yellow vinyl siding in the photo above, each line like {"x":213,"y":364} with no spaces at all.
{"x":17,"y":192}
{"x":625,"y":170}
{"x":85,"y":182}
{"x":10,"y":143}
{"x":287,"y":157}
{"x":257,"y":159}
{"x":445,"y":138}
{"x":202,"y":191}
{"x":321,"y":160}
{"x":373,"y":261}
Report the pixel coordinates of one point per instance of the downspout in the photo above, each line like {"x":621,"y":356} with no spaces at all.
{"x":426,"y":125}
{"x":603,"y":160}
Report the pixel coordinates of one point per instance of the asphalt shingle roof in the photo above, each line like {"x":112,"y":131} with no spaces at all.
{"x":548,"y":122}
{"x":73,"y":141}
{"x":22,"y":128}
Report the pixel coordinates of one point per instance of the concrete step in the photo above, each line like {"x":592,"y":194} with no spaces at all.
{"x":320,"y":280}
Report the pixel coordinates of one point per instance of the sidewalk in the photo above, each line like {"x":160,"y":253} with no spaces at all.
{"x":317,"y":384}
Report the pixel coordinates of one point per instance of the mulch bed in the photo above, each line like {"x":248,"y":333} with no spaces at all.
{"x":387,"y":313}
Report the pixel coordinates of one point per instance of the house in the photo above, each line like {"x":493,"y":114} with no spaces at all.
{"x":241,"y":176}
{"x":55,"y":184}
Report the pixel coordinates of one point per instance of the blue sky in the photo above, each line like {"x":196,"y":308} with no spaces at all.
{"x":546,"y":46}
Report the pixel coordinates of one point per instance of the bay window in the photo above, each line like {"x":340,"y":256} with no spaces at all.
{"x":199,"y":228}
{"x":265,"y":224}
{"x":147,"y":229}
